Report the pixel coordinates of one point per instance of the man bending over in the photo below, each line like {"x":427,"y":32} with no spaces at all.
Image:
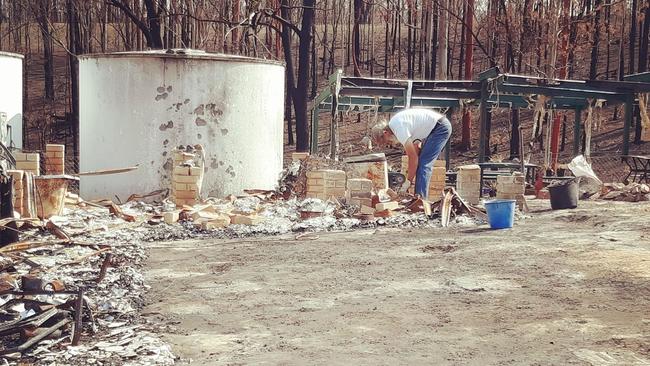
{"x":431,"y":128}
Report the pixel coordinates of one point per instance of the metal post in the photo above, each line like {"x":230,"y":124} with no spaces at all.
{"x":313,"y":148}
{"x":629,"y":113}
{"x":577,"y":134}
{"x":483,"y":121}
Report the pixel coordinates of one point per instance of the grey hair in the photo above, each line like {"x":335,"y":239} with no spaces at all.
{"x":377,"y":131}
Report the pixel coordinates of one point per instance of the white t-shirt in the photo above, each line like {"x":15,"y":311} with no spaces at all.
{"x":414,"y":124}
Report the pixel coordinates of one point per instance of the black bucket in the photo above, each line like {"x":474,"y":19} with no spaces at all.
{"x":564,"y":195}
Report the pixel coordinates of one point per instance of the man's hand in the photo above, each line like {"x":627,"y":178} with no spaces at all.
{"x":412,"y":153}
{"x":418,"y":147}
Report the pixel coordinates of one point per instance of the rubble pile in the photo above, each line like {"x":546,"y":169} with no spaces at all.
{"x":633,"y":192}
{"x":70,"y":294}
{"x":71,"y":288}
{"x":313,"y":196}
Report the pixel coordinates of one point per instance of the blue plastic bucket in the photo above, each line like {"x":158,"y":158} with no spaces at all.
{"x":501,"y":213}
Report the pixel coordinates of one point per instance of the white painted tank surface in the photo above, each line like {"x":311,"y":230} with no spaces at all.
{"x":136,"y":107}
{"x":11,"y":95}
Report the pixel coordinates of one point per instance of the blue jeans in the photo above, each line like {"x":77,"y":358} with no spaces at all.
{"x":431,"y":148}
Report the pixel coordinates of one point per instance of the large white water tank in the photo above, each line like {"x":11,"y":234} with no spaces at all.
{"x":136,"y":107}
{"x":11,"y":95}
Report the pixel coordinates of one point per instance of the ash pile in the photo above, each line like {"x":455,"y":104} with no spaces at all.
{"x":70,"y":292}
{"x":632,"y":192}
{"x":314,"y":194}
{"x":71,"y":283}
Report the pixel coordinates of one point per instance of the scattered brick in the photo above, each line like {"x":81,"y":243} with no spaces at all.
{"x":383,"y":206}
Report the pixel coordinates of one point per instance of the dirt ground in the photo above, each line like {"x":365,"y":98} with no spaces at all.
{"x":561,"y":288}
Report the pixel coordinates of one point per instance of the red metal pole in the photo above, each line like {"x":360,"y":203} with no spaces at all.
{"x":562,"y":66}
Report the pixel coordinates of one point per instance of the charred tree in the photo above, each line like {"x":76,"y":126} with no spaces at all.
{"x":466,"y":142}
{"x":593,"y":66}
{"x":150,"y":27}
{"x":356,"y":38}
{"x":43,"y":17}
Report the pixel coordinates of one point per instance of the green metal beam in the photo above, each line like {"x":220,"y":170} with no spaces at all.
{"x":489,"y":74}
{"x":640,"y":77}
{"x":505,"y":101}
{"x":634,"y":84}
{"x":558,"y":92}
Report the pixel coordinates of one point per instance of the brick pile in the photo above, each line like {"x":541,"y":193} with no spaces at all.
{"x":360,"y":191}
{"x":437,"y":182}
{"x":376,"y":171}
{"x":405,"y":164}
{"x":210,"y":220}
{"x":326,"y":183}
{"x":438,"y":177}
{"x":299,"y":156}
{"x":29,"y":162}
{"x":54,"y":159}
{"x":18,"y":177}
{"x":468,"y":183}
{"x":511,"y":187}
{"x":186,"y":178}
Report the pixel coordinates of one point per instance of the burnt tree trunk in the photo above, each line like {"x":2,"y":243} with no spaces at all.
{"x":301,"y":93}
{"x":645,"y":38}
{"x":356,"y":39}
{"x":48,"y":55}
{"x":153,"y":19}
{"x":74,"y":48}
{"x":643,"y":64}
{"x":632,"y":38}
{"x":10,"y":233}
{"x":593,"y":67}
{"x":288,"y":59}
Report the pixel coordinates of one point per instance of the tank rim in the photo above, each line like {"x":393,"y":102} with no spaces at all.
{"x":182,"y":54}
{"x":10,"y":54}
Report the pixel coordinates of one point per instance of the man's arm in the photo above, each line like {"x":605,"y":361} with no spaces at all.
{"x":411,"y":152}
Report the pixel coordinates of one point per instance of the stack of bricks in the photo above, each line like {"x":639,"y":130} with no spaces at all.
{"x":54,"y":159}
{"x":325,"y":184}
{"x":28,"y":162}
{"x":360,"y":192}
{"x":437,"y":183}
{"x":511,"y":187}
{"x":186,"y":179}
{"x":468,"y":183}
{"x":18,"y":176}
{"x":376,"y":171}
{"x":438,"y":177}
{"x":299,"y":156}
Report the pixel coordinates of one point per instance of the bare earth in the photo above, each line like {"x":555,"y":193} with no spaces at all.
{"x":561,"y":288}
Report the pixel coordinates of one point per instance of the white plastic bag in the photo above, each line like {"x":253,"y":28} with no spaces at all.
{"x":589,"y":181}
